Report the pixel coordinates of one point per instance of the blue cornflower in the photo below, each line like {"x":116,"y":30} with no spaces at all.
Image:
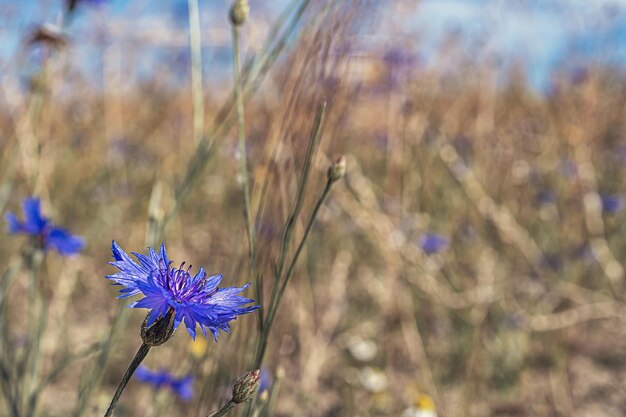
{"x":46,"y":234}
{"x":196,"y":300}
{"x":433,"y":243}
{"x":612,"y":203}
{"x":183,"y":387}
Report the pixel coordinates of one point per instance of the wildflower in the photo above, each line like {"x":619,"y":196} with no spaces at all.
{"x":198,"y":347}
{"x":196,"y":300}
{"x":433,"y":243}
{"x":45,"y":234}
{"x":265,"y":381}
{"x":373,"y":379}
{"x":424,"y":407}
{"x":612,"y":203}
{"x":183,"y":387}
{"x":363,"y":350}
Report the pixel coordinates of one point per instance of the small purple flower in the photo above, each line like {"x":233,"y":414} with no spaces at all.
{"x":183,"y":387}
{"x":612,"y":203}
{"x":196,"y":300}
{"x":45,"y":233}
{"x":433,"y":243}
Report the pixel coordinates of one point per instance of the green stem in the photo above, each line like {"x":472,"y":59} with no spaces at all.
{"x":285,"y":280}
{"x":225,"y":409}
{"x":139,"y":357}
{"x":291,"y":221}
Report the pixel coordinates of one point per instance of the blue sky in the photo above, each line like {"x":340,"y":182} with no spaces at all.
{"x":543,"y":35}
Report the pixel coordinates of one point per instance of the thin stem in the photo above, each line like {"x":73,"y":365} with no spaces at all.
{"x":223,"y":121}
{"x":225,"y":409}
{"x":304,"y":178}
{"x":241,"y":132}
{"x":139,"y":357}
{"x":9,"y":394}
{"x":291,"y":221}
{"x":37,"y":319}
{"x":285,"y":280}
{"x":195,"y":44}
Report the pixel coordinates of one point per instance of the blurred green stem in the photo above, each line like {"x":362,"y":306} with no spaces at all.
{"x":37,"y":322}
{"x":282,"y":278}
{"x":195,"y":44}
{"x":285,"y":280}
{"x":225,"y":409}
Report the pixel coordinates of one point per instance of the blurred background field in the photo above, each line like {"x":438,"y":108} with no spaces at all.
{"x":470,"y":263}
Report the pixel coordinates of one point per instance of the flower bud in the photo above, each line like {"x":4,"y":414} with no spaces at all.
{"x":245,"y":387}
{"x":47,"y":34}
{"x":160,"y":331}
{"x":337,"y":169}
{"x":239,"y":12}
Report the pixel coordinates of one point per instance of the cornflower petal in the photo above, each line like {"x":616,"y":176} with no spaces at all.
{"x":31,"y":207}
{"x":64,"y":242}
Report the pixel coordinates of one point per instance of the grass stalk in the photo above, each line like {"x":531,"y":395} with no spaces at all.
{"x":280,"y":279}
{"x":197,"y":92}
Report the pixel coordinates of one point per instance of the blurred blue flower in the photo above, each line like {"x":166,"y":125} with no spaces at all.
{"x":433,"y":243}
{"x":612,"y":203}
{"x":265,"y":382}
{"x":183,"y":387}
{"x":552,"y":261}
{"x":545,"y":197}
{"x":45,"y":233}
{"x":196,"y":300}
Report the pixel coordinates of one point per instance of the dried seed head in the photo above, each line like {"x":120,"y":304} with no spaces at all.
{"x":246,"y":386}
{"x":239,"y":12}
{"x":160,"y":331}
{"x":337,"y":170}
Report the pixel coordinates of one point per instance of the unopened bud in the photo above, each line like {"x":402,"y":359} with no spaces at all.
{"x":160,"y":331}
{"x":246,"y":386}
{"x":48,"y":34}
{"x":337,"y":170}
{"x":239,"y":12}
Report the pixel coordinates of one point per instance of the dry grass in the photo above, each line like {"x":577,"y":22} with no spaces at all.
{"x":521,"y":315}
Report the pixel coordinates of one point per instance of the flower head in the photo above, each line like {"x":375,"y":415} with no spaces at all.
{"x":46,"y":234}
{"x":196,"y":300}
{"x":612,"y":203}
{"x":433,"y":243}
{"x":183,"y":387}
